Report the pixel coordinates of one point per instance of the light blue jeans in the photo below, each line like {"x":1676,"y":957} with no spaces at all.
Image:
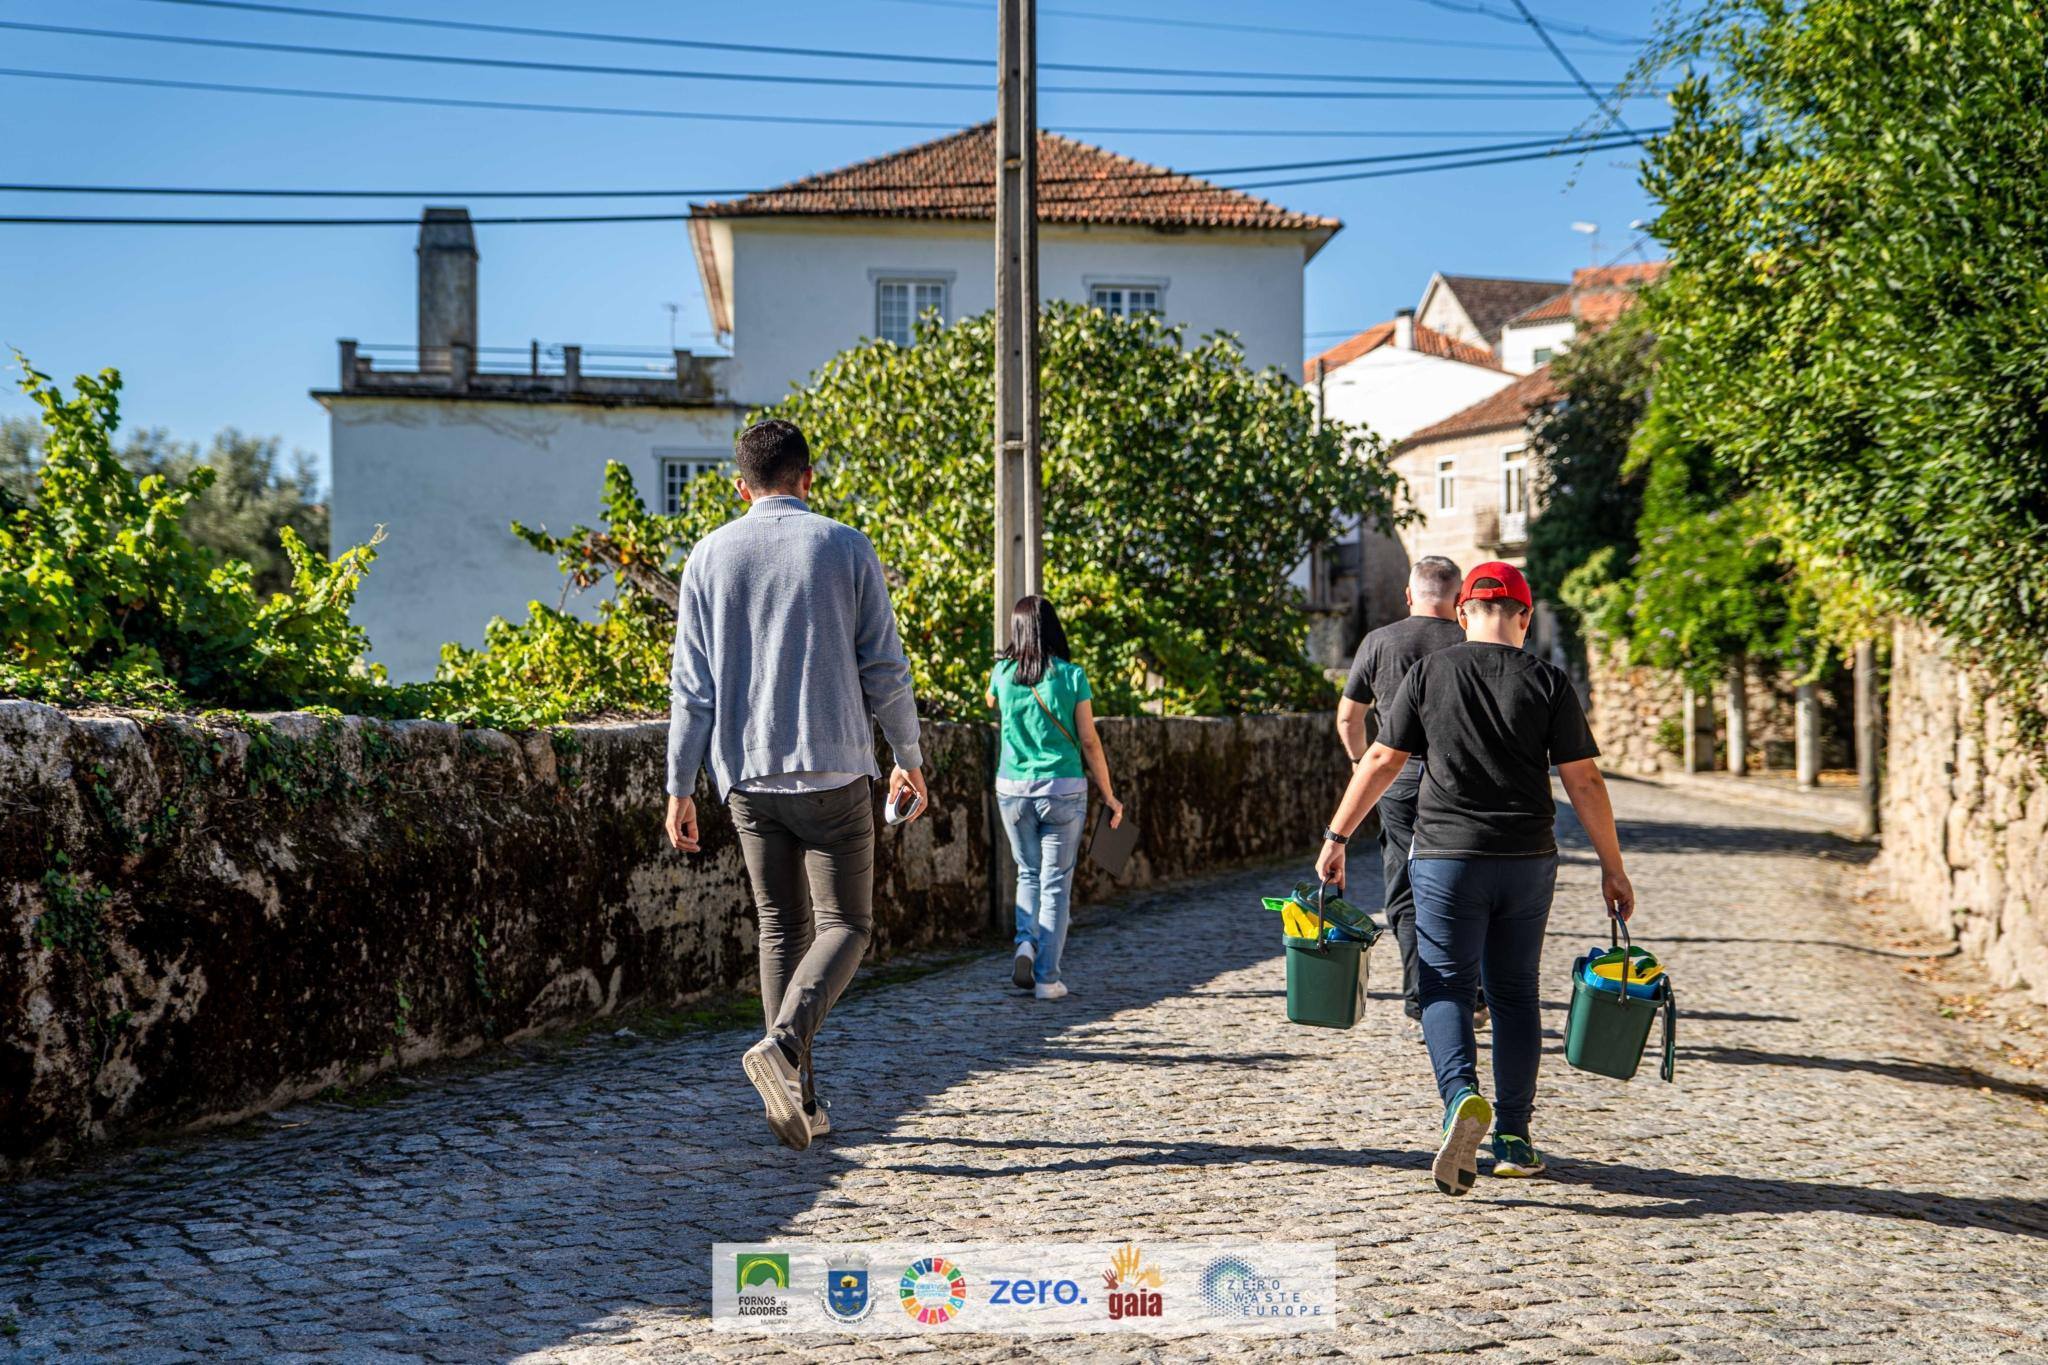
{"x":1045,"y":836}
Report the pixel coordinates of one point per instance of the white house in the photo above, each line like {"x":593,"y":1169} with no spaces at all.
{"x":794,"y":275}
{"x":445,"y":444}
{"x":1476,"y":308}
{"x":1391,"y":378}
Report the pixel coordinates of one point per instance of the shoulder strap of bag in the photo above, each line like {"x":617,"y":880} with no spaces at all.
{"x":1053,"y":718}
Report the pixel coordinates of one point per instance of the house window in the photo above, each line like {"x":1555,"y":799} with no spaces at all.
{"x":1126,"y":300}
{"x":900,"y":303}
{"x":678,"y":469}
{"x":1514,"y":481}
{"x":1542,"y":354}
{"x":1446,"y":485}
{"x":1514,"y":496}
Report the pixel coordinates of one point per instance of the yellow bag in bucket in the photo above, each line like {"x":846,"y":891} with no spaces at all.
{"x":1640,"y":972}
{"x":1296,"y":922}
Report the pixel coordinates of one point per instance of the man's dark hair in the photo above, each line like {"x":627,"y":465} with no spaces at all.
{"x":772,"y":455}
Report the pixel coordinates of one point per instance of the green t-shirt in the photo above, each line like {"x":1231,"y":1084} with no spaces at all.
{"x":1033,"y":747}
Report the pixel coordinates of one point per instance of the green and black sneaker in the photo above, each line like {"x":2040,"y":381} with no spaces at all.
{"x":1515,"y":1159}
{"x":1466,"y":1119}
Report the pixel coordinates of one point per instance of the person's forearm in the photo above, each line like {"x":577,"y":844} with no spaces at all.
{"x":1351,"y":728}
{"x":1098,"y":767}
{"x":1369,"y":782}
{"x":1590,"y":802}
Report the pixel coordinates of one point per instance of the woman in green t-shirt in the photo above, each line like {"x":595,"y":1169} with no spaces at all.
{"x":1049,"y":747}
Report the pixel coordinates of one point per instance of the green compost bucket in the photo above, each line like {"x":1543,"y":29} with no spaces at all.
{"x":1606,"y":1031}
{"x":1325,"y":978}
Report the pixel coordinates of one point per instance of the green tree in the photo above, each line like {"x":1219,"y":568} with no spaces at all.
{"x":254,"y":496}
{"x":1181,"y":487}
{"x":1588,"y":495}
{"x":1709,"y":582}
{"x":241,"y":514}
{"x":104,"y":595}
{"x":1858,"y":316}
{"x":21,"y":450}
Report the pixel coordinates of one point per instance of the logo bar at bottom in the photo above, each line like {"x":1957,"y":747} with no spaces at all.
{"x":911,"y":1288}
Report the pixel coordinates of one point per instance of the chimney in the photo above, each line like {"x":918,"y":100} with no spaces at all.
{"x":1404,"y":329}
{"x":447,"y":253}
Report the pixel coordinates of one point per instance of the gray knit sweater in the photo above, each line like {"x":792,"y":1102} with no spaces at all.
{"x":785,"y":644}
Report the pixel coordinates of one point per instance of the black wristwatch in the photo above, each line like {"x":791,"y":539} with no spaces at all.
{"x":1333,"y":837}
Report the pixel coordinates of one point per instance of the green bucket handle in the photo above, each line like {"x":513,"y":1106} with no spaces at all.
{"x":1668,"y":1002}
{"x":1322,"y":890}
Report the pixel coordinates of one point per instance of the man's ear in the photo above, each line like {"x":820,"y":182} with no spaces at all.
{"x":739,"y":484}
{"x":804,"y":481}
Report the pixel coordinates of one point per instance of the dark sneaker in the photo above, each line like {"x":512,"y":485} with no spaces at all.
{"x":1466,"y":1119}
{"x":782,"y":1092}
{"x":1515,"y":1159}
{"x":1023,"y":966}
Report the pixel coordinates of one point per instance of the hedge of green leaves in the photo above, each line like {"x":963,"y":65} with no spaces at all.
{"x":104,"y":597}
{"x":1857,"y":320}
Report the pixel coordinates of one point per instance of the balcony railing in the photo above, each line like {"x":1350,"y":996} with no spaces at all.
{"x":1500,"y":531}
{"x":534,"y":373}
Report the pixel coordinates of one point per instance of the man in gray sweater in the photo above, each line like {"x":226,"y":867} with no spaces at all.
{"x":785,"y":646}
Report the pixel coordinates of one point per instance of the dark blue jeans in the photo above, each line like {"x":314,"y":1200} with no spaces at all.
{"x":1483,"y":918}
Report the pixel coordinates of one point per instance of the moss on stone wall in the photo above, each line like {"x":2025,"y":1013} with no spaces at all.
{"x":206,"y":918}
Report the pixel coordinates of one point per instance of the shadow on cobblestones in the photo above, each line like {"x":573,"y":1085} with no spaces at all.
{"x":1898,"y":1069}
{"x":1680,"y":1194}
{"x":1664,"y":836}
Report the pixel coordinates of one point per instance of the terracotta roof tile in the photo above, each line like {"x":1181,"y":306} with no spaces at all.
{"x":1508,"y":408}
{"x":1603,"y":293}
{"x":1428,"y":341}
{"x":1556,"y":308}
{"x":953,"y":177}
{"x":1489,"y":302}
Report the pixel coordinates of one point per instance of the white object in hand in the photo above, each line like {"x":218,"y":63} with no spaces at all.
{"x":901,"y":805}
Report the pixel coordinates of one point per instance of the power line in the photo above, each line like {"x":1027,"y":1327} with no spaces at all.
{"x":1612,"y":110}
{"x":1215,"y":25}
{"x":1148,"y":173}
{"x":711,"y":116}
{"x":1562,"y":26}
{"x":1608,"y":144}
{"x":770,"y":78}
{"x":836,"y":54}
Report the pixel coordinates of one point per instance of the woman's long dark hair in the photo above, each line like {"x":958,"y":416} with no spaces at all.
{"x":1036,"y":639}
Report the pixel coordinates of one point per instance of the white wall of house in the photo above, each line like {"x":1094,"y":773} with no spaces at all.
{"x":1394,"y":392}
{"x":1523,"y":348}
{"x":804,"y":289}
{"x":1440,"y":311}
{"x":447,"y":476}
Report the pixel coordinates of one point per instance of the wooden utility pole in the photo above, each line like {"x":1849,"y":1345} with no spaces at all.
{"x":1019,"y":494}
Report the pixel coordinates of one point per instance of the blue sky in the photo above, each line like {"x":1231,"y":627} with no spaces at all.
{"x":215,"y":327}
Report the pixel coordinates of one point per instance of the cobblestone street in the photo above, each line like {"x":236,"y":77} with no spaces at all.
{"x":1836,"y":1175}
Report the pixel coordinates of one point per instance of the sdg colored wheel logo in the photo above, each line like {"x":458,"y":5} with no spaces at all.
{"x":933,"y":1290}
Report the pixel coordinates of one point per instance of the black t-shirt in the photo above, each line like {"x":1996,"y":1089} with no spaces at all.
{"x":1385,"y":656}
{"x":1489,"y":721}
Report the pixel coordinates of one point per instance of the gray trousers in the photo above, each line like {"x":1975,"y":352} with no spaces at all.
{"x":811,"y":858}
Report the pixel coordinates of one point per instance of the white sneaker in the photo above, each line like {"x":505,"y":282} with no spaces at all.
{"x":1023,"y":965}
{"x":1050,"y":990}
{"x":820,"y":1119}
{"x":782,"y":1093}
{"x":1481,"y":1017}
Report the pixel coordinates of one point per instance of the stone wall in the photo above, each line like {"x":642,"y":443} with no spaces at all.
{"x":205,"y":921}
{"x":1965,"y":814}
{"x":1636,"y":713}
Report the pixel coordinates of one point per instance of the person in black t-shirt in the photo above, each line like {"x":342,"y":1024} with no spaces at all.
{"x":1383,"y":660}
{"x":1489,"y":720}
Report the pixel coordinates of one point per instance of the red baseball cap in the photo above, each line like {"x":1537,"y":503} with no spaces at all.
{"x":1513,"y":585}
